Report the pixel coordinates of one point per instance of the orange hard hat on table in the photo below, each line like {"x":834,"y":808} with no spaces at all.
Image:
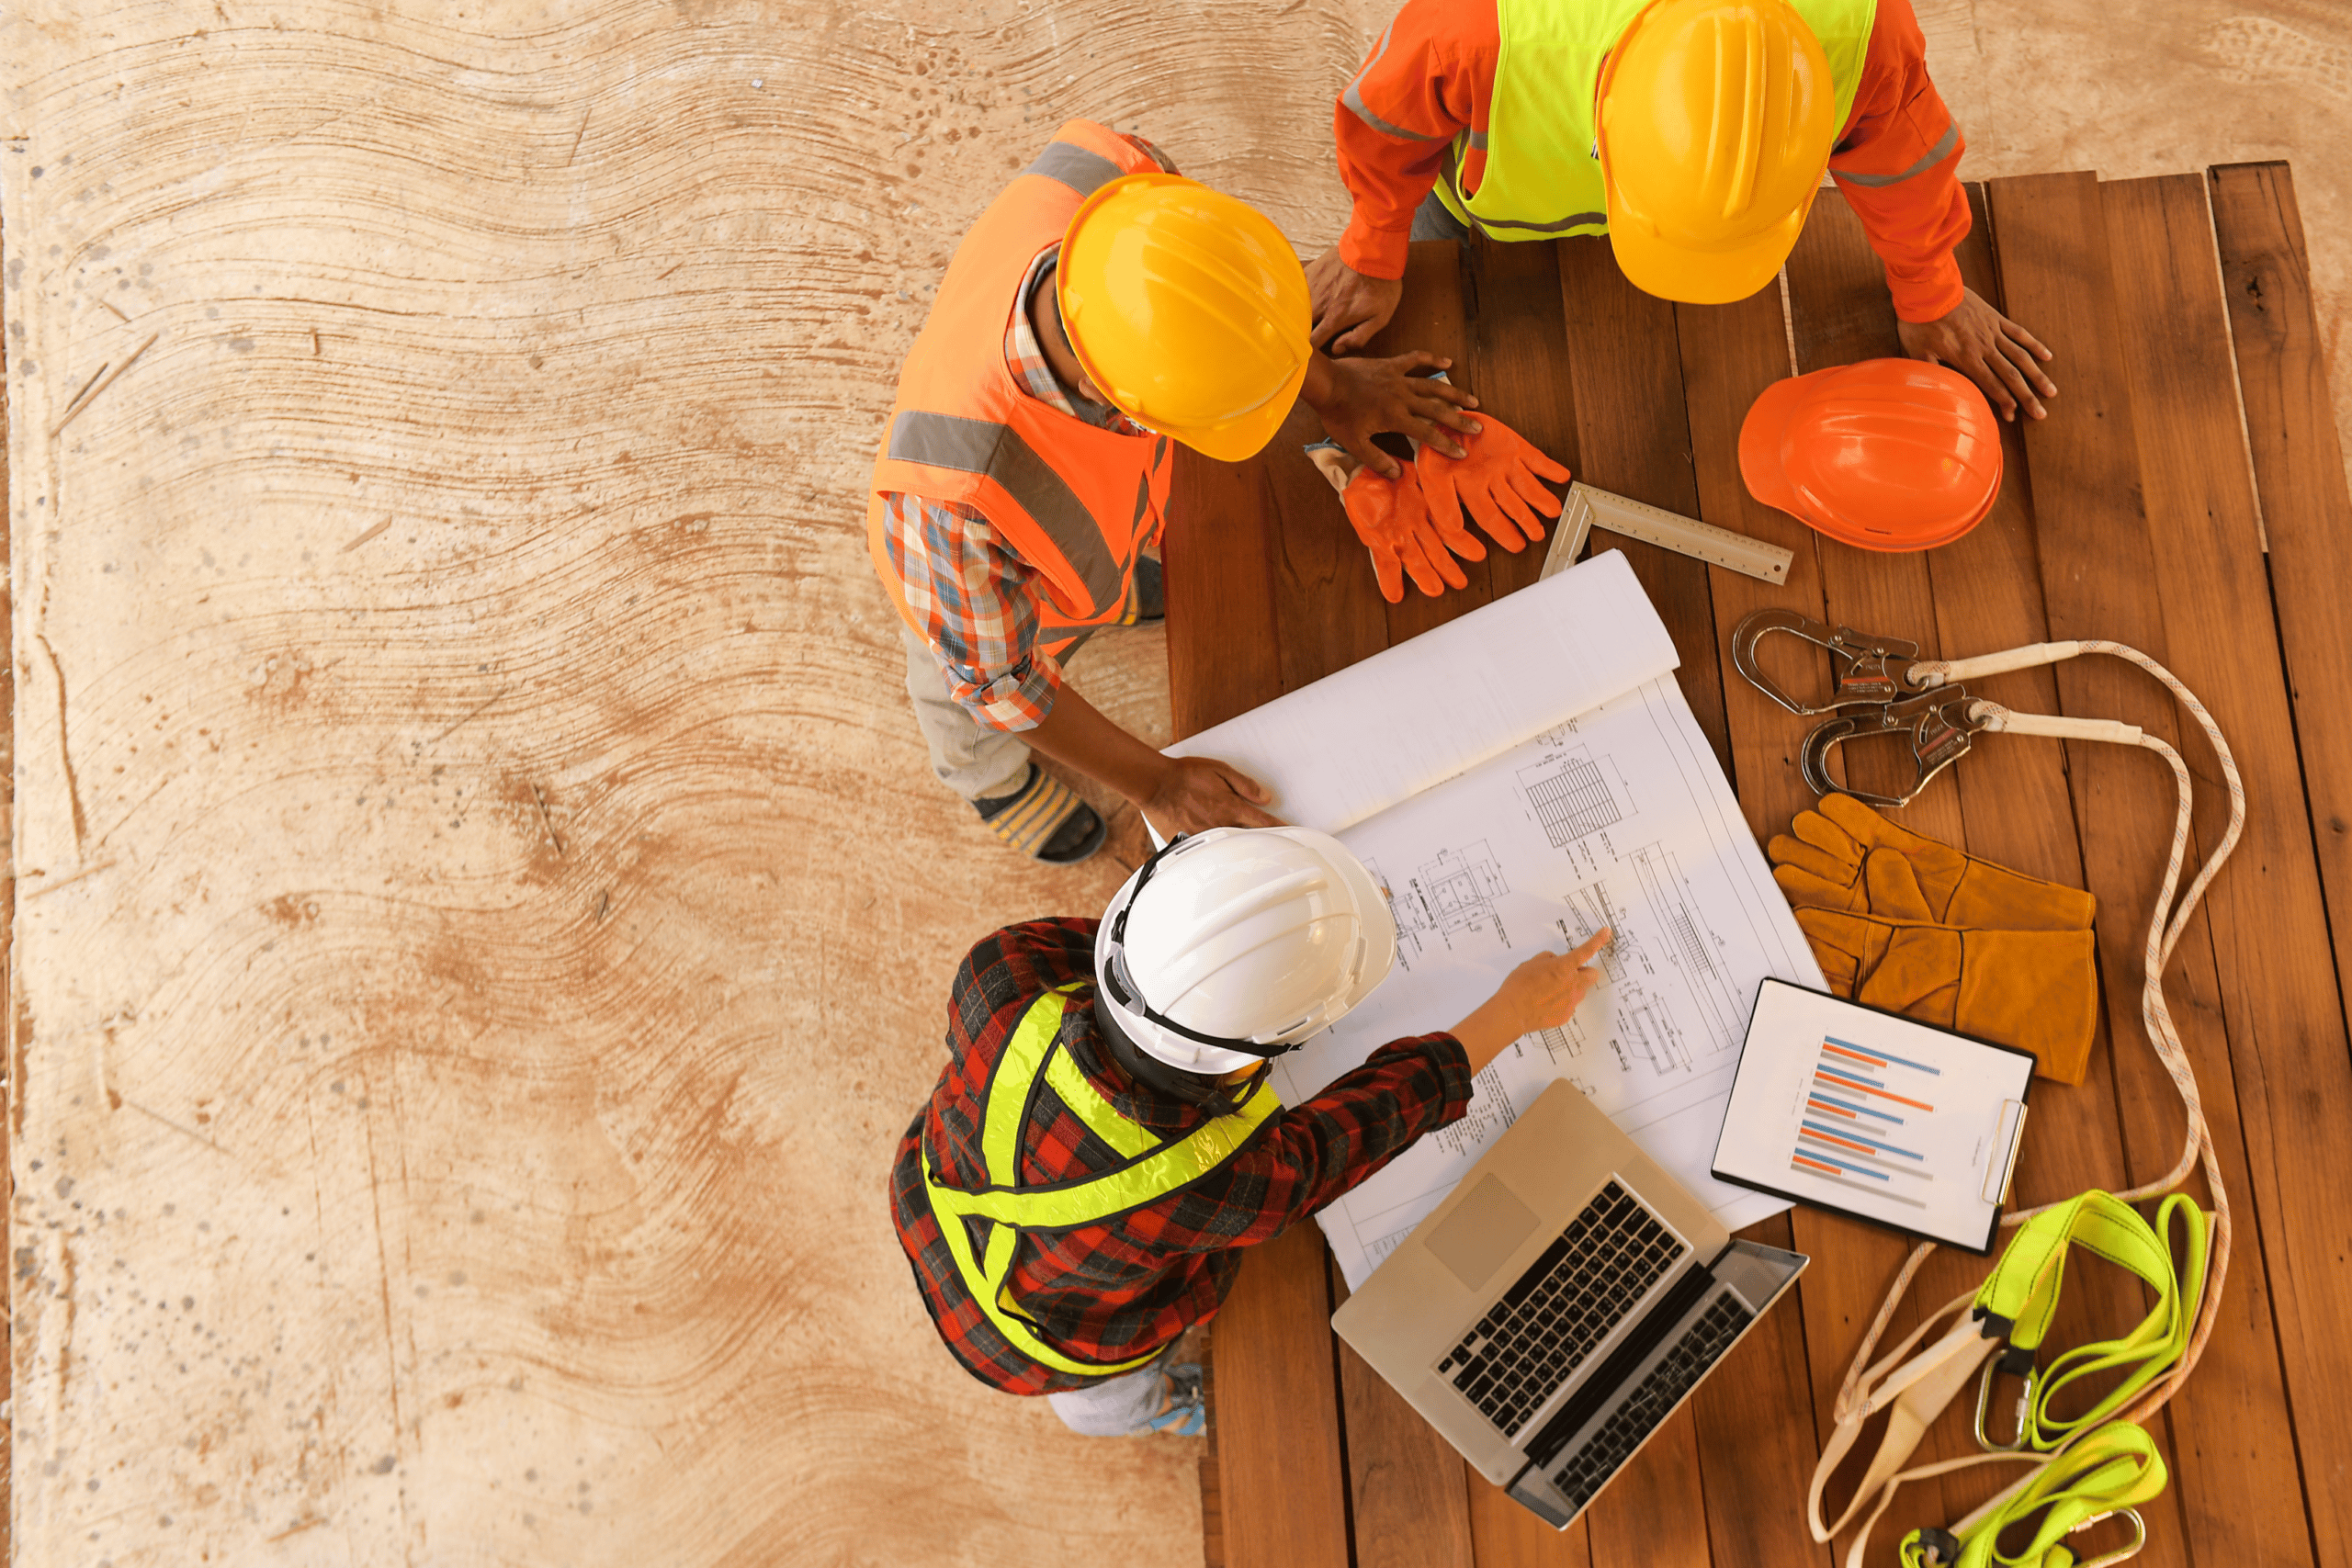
{"x":1716,"y":118}
{"x":1886,"y":455}
{"x":1188,"y":309}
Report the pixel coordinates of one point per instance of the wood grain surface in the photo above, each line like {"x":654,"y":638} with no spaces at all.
{"x":2129,"y":512}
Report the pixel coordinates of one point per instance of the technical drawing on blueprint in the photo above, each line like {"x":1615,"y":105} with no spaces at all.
{"x":1621,"y":817}
{"x":1452,"y":895}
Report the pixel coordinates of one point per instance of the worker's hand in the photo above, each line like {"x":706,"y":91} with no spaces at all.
{"x":1358,"y":399}
{"x":1988,"y":348}
{"x":1196,"y":794}
{"x":1501,"y":480}
{"x":1344,"y":300}
{"x":1540,"y":994}
{"x":1392,"y":521}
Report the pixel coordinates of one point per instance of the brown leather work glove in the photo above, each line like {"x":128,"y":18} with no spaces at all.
{"x":2035,"y":990}
{"x":1846,"y":856}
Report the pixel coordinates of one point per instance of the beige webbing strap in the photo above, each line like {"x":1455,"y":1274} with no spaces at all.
{"x":1913,"y":1393}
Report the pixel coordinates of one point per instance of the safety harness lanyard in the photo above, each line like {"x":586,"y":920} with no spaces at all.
{"x":1151,"y":1171}
{"x":2020,"y":1296}
{"x":2011,"y":1312}
{"x":2109,"y":1470}
{"x":2167,"y":1345}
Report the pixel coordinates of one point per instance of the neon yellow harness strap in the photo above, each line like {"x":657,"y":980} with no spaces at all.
{"x":2111,"y":1470}
{"x":2020,"y":1297}
{"x":1151,"y":1171}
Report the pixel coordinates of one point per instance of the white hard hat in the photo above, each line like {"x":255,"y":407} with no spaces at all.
{"x":1239,"y":944}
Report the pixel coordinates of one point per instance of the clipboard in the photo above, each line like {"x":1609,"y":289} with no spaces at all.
{"x":1874,"y":1115}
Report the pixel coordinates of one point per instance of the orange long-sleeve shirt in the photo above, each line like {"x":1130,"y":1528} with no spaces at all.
{"x":1432,"y":75}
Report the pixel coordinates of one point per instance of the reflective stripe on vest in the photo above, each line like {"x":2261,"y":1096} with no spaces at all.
{"x":1150,"y":1171}
{"x":1073,"y":500}
{"x":1541,"y":179}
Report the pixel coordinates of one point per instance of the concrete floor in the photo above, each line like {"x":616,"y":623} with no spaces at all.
{"x":483,"y":922}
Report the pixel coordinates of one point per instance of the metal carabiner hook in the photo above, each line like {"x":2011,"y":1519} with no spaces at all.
{"x":1939,"y":724}
{"x":2018,"y":1362}
{"x":1859,"y":663}
{"x":2124,"y":1554}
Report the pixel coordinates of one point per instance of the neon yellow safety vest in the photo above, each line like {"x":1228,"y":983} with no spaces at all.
{"x":1543,"y":177}
{"x":983,"y":1229}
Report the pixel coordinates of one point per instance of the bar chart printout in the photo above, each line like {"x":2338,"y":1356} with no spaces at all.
{"x":1869,"y":1114}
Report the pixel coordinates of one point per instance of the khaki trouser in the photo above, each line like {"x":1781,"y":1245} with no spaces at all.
{"x":974,"y":760}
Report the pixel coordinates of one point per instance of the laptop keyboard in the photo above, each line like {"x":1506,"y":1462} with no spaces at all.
{"x":1566,"y":1303}
{"x":1586,"y":1471}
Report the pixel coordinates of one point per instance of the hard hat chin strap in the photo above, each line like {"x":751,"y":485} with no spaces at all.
{"x":1124,"y":990}
{"x":1203,"y":1092}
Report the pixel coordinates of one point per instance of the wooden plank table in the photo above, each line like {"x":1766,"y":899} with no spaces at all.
{"x":2155,"y":507}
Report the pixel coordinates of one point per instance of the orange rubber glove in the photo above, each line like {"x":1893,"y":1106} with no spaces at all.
{"x":1846,"y":856}
{"x":2035,"y":990}
{"x":1392,"y":520}
{"x":1500,"y":478}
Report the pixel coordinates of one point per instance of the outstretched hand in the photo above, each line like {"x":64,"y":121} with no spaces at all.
{"x":1991,"y":350}
{"x":1358,"y":399}
{"x":1540,"y":994}
{"x":1347,"y":302}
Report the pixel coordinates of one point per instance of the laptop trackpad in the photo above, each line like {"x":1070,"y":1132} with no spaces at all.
{"x":1484,"y":1229}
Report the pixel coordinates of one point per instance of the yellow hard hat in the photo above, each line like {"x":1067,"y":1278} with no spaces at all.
{"x":1715,"y":124}
{"x":1188,"y":309}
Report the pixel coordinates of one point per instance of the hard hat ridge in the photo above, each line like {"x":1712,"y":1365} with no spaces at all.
{"x":1188,"y":309}
{"x":1238,"y":944}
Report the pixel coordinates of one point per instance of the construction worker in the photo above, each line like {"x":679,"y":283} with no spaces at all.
{"x":1102,"y":307}
{"x":1693,"y":132}
{"x":1104,"y":1141}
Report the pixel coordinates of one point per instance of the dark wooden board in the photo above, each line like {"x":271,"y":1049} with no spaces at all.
{"x":2306,"y":512}
{"x":1408,"y":1487}
{"x":2286,"y":1034}
{"x":2093,"y":540}
{"x":1223,"y":653}
{"x":1282,"y":1473}
{"x":1508,"y":1536}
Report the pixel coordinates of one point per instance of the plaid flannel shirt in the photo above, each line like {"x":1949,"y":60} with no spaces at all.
{"x":979,"y":601}
{"x":1116,"y":1291}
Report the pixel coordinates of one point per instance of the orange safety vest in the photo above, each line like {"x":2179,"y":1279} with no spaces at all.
{"x":1073,"y":500}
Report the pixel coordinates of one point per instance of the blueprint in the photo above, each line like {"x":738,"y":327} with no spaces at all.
{"x":1620,"y":817}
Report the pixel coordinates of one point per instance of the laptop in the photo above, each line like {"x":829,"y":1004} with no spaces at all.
{"x":1560,"y":1304}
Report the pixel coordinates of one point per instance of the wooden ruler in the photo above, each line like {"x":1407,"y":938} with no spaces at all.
{"x":1588,"y":508}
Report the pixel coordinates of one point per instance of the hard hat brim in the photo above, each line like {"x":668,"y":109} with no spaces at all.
{"x":1238,"y":440}
{"x":1761,"y":437}
{"x":1902,"y":544}
{"x":1670,"y":271}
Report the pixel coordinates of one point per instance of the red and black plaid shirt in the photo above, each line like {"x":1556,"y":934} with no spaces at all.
{"x":1118,"y":1290}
